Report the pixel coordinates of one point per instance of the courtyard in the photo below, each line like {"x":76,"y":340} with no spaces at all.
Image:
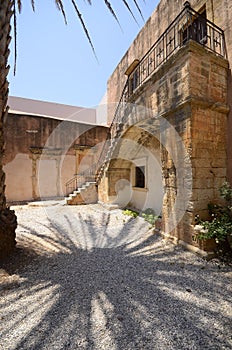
{"x":84,"y":277}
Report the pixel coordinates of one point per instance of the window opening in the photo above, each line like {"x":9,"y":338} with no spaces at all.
{"x":140,"y":176}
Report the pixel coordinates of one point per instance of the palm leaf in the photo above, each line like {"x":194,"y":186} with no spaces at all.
{"x":33,"y":5}
{"x":129,"y":9}
{"x":139,"y":9}
{"x":83,"y":26}
{"x":111,"y":10}
{"x":15,"y":31}
{"x":61,"y":8}
{"x":19,"y":5}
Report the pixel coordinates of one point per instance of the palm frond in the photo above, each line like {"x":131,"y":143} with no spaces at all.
{"x":139,"y":9}
{"x":15,"y":31}
{"x":19,"y":3}
{"x":60,"y":7}
{"x":84,"y":26}
{"x":129,"y":9}
{"x":33,"y":5}
{"x":108,"y":4}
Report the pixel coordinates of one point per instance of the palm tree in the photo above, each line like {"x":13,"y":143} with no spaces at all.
{"x":8,"y":220}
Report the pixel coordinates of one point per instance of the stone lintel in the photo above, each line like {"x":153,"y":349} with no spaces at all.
{"x":81,"y":147}
{"x":131,"y":67}
{"x":46,"y":151}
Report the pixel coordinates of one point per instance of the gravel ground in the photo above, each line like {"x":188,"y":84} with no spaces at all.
{"x":83,"y":277}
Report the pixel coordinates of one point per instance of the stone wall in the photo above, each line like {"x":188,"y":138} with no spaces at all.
{"x":107,"y":189}
{"x":218,"y":11}
{"x":42,"y":154}
{"x":201,"y":123}
{"x":188,"y":94}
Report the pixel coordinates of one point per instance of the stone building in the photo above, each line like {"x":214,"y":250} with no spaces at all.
{"x":48,"y":145}
{"x":170,"y":113}
{"x":170,"y":119}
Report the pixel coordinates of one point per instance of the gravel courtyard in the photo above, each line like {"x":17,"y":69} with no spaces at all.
{"x":84,"y":277}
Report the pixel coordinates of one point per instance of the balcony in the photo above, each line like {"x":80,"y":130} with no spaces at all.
{"x":190,"y":28}
{"x":188,"y":25}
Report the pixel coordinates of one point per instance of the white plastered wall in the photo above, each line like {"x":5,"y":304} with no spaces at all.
{"x":152,"y":195}
{"x":19,"y":178}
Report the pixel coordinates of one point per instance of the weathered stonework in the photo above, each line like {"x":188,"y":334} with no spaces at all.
{"x":218,"y":12}
{"x":189,"y":91}
{"x":203,"y":134}
{"x":42,"y":154}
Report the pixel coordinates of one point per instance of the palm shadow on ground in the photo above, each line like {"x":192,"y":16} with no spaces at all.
{"x":104,"y":289}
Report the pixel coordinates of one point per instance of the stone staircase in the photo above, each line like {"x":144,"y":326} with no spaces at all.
{"x":119,"y":123}
{"x":81,"y":189}
{"x":85,"y":194}
{"x":84,"y":191}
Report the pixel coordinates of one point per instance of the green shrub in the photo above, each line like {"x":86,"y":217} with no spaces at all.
{"x":149,"y":216}
{"x":130,"y":212}
{"x":219,"y":226}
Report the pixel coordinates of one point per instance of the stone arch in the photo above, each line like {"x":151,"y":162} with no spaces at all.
{"x":136,"y":148}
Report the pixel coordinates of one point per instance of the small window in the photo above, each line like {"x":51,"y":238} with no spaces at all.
{"x":140,"y":176}
{"x":133,"y":81}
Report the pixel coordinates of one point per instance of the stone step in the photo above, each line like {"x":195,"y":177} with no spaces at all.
{"x":78,"y":191}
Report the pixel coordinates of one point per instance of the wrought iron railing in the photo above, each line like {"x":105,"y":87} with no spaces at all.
{"x":188,"y":25}
{"x":118,"y":116}
{"x":80,"y":179}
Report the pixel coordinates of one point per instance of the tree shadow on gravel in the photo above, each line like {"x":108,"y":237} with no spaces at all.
{"x":97,"y":288}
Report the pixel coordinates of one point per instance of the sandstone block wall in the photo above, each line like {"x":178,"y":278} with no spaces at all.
{"x":189,"y":91}
{"x":107,"y":189}
{"x":220,"y":13}
{"x":201,"y":121}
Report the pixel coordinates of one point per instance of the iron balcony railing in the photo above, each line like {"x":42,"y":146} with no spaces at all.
{"x":188,"y":25}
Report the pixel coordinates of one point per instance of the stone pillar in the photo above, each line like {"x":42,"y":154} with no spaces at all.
{"x":39,"y":154}
{"x":81,"y":151}
{"x":202,"y":127}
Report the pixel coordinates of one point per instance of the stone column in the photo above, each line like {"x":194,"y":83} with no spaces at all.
{"x":80,"y":151}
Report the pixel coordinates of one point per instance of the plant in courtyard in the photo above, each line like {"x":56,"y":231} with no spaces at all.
{"x":130,"y":212}
{"x":150,"y":216}
{"x":219,"y":226}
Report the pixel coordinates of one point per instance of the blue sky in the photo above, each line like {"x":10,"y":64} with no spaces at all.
{"x":55,"y":62}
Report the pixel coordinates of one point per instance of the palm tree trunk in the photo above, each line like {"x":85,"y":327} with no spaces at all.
{"x":8,"y":222}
